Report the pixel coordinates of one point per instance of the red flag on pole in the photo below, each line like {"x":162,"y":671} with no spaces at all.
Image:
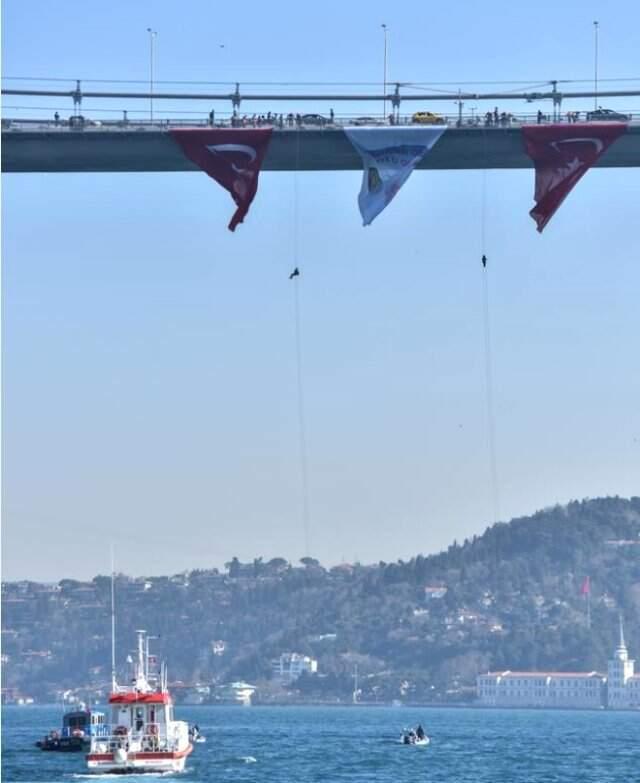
{"x":586,"y":586}
{"x":562,"y":155}
{"x":233,"y":158}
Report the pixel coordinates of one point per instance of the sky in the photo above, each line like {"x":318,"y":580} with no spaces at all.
{"x":149,"y":361}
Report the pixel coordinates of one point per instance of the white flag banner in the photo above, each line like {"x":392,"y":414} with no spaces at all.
{"x":389,"y":155}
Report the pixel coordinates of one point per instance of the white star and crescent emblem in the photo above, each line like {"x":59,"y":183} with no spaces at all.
{"x":245,"y":149}
{"x":596,"y":143}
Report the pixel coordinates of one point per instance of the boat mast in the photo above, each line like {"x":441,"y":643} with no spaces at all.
{"x":141,"y":673}
{"x":113,"y":624}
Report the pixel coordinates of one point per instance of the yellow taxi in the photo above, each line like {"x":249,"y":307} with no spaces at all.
{"x":427,"y":118}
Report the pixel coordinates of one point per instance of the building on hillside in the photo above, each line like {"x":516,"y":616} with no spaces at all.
{"x":235,"y":693}
{"x":434,"y":592}
{"x":289,"y":666}
{"x":198,"y":694}
{"x":218,"y":647}
{"x":618,"y":689}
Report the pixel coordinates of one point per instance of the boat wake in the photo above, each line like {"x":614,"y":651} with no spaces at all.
{"x":121,"y":775}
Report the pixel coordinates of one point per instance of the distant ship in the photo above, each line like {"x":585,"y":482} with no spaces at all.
{"x":78,"y":727}
{"x":143,"y":735}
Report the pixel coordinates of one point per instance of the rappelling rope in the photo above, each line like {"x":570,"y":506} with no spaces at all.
{"x":488,"y":360}
{"x":302,"y":429}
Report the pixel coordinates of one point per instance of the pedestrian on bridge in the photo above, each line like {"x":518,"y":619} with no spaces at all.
{"x":56,"y":118}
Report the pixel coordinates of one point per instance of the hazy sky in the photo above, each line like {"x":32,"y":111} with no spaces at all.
{"x":149,"y":376}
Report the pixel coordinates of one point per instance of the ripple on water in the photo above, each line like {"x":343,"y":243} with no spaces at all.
{"x":359,"y":745}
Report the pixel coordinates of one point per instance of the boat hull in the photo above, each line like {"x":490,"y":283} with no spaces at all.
{"x":153,"y":761}
{"x":64,"y":744}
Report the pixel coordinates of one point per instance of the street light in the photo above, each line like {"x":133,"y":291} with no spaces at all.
{"x":384,"y":82}
{"x":595,"y":65}
{"x":152,"y":35}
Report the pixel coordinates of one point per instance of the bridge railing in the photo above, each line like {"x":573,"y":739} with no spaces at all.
{"x":79,"y":123}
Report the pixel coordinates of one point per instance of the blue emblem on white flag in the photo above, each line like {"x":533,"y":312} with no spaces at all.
{"x":389,"y":155}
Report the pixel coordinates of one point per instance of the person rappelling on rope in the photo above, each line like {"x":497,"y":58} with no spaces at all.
{"x":295,"y":273}
{"x":484,"y":261}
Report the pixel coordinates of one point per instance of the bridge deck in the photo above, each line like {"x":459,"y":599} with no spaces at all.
{"x":318,"y":149}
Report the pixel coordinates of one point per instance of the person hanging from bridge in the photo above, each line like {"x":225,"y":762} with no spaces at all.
{"x":331,"y":116}
{"x":484,"y":261}
{"x":212,"y":116}
{"x":295,"y":273}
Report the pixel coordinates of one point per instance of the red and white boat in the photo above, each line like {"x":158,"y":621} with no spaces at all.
{"x":143,"y":735}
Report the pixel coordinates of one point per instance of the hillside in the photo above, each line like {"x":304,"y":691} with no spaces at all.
{"x":419,"y":630}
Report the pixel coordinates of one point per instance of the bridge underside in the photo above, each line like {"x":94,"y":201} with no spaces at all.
{"x":96,"y":150}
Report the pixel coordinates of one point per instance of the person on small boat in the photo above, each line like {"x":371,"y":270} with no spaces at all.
{"x":420,"y":732}
{"x":409,"y":737}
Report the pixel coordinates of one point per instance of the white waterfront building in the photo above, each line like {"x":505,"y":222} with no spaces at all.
{"x":618,"y":689}
{"x":239,"y":692}
{"x":289,"y":666}
{"x":541,"y":689}
{"x":623,"y":686}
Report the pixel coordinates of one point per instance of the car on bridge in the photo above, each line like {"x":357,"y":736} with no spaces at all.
{"x":368,"y":121}
{"x":314,"y":119}
{"x":427,"y":118}
{"x":607,"y":115}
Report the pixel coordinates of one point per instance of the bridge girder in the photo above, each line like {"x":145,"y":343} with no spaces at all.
{"x":326,"y":149}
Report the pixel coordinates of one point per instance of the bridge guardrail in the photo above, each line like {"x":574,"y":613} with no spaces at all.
{"x":84,"y":124}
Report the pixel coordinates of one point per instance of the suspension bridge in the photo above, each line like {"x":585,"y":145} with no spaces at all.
{"x":313,"y":143}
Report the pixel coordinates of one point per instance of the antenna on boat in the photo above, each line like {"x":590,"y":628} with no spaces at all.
{"x":113,"y":622}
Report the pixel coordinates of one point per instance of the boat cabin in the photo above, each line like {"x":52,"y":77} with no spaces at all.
{"x":141,"y":713}
{"x":82,"y":723}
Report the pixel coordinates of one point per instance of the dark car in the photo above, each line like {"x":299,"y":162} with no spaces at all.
{"x":607,"y":115}
{"x":313,"y":119}
{"x":368,"y":121}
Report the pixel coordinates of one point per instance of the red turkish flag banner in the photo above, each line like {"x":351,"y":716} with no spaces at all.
{"x":232,"y":157}
{"x":562,"y":154}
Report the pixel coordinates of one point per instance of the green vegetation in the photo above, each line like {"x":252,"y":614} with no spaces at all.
{"x":513,"y":600}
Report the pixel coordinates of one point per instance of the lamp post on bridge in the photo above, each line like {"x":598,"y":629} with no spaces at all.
{"x":152,"y":35}
{"x":384,"y":81}
{"x":595,"y":65}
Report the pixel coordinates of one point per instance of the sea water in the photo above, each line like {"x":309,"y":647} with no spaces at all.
{"x":307,"y":744}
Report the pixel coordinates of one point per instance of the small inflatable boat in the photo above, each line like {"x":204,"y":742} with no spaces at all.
{"x":411,"y":738}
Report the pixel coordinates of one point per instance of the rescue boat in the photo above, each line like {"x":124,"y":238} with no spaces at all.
{"x":143,"y":735}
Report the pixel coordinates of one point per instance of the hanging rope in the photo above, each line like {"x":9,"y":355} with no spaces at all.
{"x":295,"y":277}
{"x":488,"y":360}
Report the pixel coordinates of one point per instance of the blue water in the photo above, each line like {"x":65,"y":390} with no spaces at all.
{"x":307,"y":744}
